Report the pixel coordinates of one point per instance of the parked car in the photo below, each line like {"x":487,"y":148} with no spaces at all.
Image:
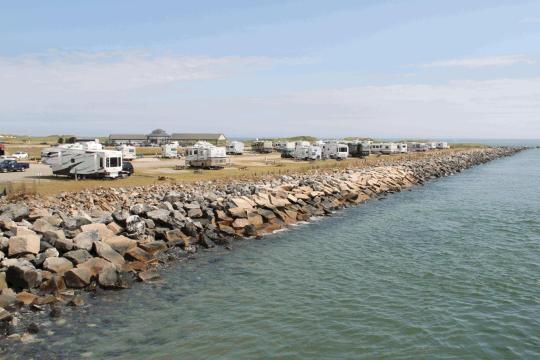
{"x":13,"y":165}
{"x":127,"y":169}
{"x":20,"y":155}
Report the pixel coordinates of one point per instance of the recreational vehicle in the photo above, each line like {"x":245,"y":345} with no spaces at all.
{"x":128,"y":152}
{"x":309,"y":152}
{"x":432,"y":145}
{"x":287,"y":149}
{"x":418,"y":147}
{"x":402,"y":148}
{"x":384,"y":148}
{"x":335,"y":150}
{"x":79,"y":162}
{"x":301,"y":143}
{"x":206,"y":155}
{"x":263,"y":147}
{"x":235,"y":148}
{"x":442,"y":145}
{"x":358,"y":149}
{"x":169,"y":151}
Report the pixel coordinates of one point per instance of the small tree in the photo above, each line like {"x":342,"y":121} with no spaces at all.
{"x":71,"y":140}
{"x":60,"y":140}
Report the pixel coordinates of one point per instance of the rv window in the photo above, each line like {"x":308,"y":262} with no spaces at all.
{"x":107,"y":162}
{"x":114,"y":162}
{"x":101,"y":162}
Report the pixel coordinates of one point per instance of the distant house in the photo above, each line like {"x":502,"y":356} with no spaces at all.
{"x":185,"y":139}
{"x":130,"y":139}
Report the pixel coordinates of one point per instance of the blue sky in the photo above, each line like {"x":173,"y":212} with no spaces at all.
{"x":272,"y":68}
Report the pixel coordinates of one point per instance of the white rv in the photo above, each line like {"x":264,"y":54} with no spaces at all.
{"x":432,"y":145}
{"x":80,"y":161}
{"x":335,"y":150}
{"x":169,"y":151}
{"x":128,"y":152}
{"x":443,"y":145}
{"x":301,"y":143}
{"x":286,"y":149}
{"x":384,"y":148}
{"x":402,"y":148}
{"x":235,"y":148}
{"x":206,"y":155}
{"x":263,"y":147}
{"x":309,"y":152}
{"x":418,"y":147}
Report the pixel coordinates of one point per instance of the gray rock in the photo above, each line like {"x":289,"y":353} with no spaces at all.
{"x":135,"y":225}
{"x":108,"y":278}
{"x":42,"y":225}
{"x":106,"y":252}
{"x":85,"y":240}
{"x":78,"y":256}
{"x":120,"y":216}
{"x":64,"y":244}
{"x":159,"y":215}
{"x":15,"y":212}
{"x":58,"y":265}
{"x":51,"y":236}
{"x":195,"y":213}
{"x":23,"y":276}
{"x":77,"y":278}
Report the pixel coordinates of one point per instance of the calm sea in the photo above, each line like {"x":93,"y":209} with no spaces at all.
{"x":450,"y":270}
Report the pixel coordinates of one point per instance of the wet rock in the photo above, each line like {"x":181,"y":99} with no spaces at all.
{"x":250,"y":230}
{"x":28,"y":244}
{"x":77,"y":278}
{"x":26,"y":298}
{"x":76,"y":301}
{"x":190,"y":230}
{"x":206,"y":242}
{"x":54,"y":284}
{"x":58,"y":265}
{"x":108,"y":278}
{"x":33,"y":328}
{"x":105,"y":251}
{"x":78,"y":256}
{"x":5,"y":315}
{"x":148,"y":276}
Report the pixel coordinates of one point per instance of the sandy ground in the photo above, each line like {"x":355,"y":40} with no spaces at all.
{"x":35,"y":172}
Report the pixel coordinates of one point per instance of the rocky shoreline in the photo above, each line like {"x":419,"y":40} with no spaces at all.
{"x":55,"y":249}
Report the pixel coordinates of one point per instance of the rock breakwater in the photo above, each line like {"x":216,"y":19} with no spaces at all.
{"x":53,"y":249}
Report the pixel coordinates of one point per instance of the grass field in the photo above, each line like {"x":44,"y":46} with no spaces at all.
{"x":248,"y":170}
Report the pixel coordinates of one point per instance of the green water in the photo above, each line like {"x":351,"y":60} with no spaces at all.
{"x":449,"y":270}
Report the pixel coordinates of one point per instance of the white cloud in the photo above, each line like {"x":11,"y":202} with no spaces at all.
{"x":492,"y":61}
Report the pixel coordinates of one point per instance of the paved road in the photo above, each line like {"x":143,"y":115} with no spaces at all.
{"x":33,"y":173}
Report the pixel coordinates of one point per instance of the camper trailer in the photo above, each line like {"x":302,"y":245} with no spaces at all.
{"x":235,"y":148}
{"x":418,"y":147}
{"x":309,"y":152}
{"x":384,"y":148}
{"x":301,"y":143}
{"x":432,"y":145}
{"x":402,"y":148}
{"x":128,"y":152}
{"x":287,"y":149}
{"x":81,"y":162}
{"x":169,"y":151}
{"x":335,"y":150}
{"x":358,"y":149}
{"x":442,"y":145}
{"x":206,"y":155}
{"x":263,"y":147}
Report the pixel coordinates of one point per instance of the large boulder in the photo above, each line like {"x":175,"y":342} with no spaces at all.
{"x":102,"y":229}
{"x":159,"y":215}
{"x":23,"y":276}
{"x":95,"y":265}
{"x":120,"y":216}
{"x":85,"y":239}
{"x":77,"y":278}
{"x":58,"y":265}
{"x":108,"y":278}
{"x":135,"y":225}
{"x":15,"y":212}
{"x":106,"y":252}
{"x":42,"y":225}
{"x":120,"y":244}
{"x":240,"y":223}
{"x":195,"y":213}
{"x":78,"y":256}
{"x":28,"y":244}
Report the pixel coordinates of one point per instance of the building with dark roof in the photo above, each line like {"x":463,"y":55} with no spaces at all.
{"x":158,"y":137}
{"x":186,"y":139}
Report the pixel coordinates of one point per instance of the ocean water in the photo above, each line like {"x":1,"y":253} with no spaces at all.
{"x":449,"y":270}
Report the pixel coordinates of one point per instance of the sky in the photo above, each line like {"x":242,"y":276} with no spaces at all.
{"x":248,"y":68}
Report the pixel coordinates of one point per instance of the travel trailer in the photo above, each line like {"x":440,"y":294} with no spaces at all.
{"x":286,"y":149}
{"x":309,"y":152}
{"x":128,"y":152}
{"x":384,"y":148}
{"x":432,"y":145}
{"x":402,"y":148}
{"x":443,"y":145}
{"x":169,"y":151}
{"x":335,"y":150}
{"x":263,"y":147}
{"x":359,"y":149}
{"x":235,"y":148}
{"x":206,"y":155}
{"x":301,"y":143}
{"x":81,"y":161}
{"x":418,"y":147}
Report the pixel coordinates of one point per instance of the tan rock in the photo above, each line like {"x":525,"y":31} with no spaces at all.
{"x":105,"y":251}
{"x":115,"y":228}
{"x":102,"y":229}
{"x":240,"y":223}
{"x":120,"y":244}
{"x":28,"y":244}
{"x":57,"y":265}
{"x":77,"y":278}
{"x":26,"y":298}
